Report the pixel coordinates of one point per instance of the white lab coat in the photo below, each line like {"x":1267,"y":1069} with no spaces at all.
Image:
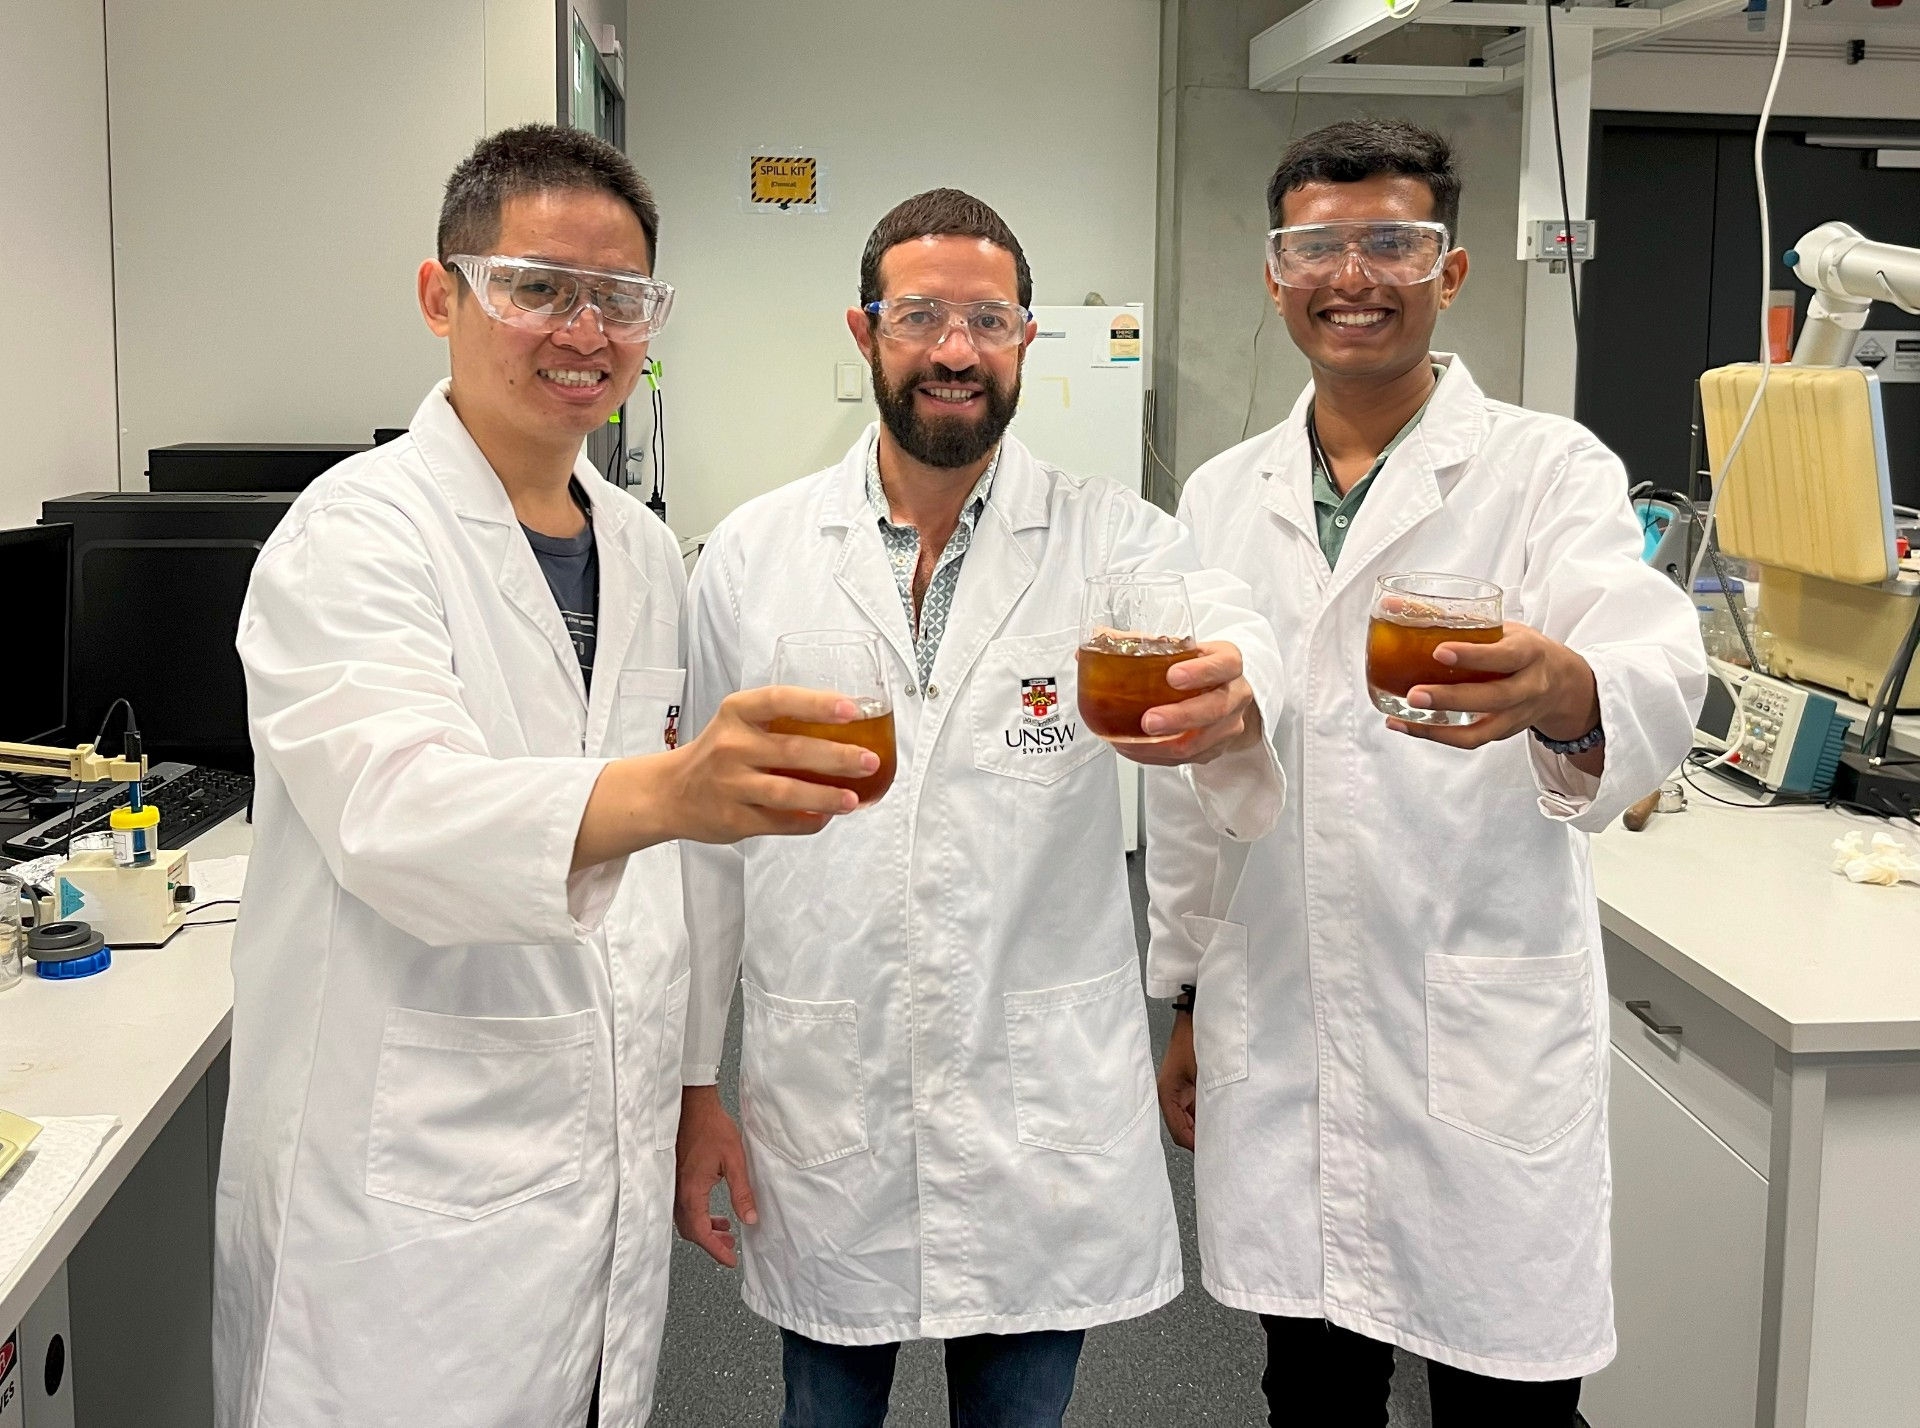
{"x":1401,"y":1024}
{"x":445,"y":1190}
{"x":945,"y":1078}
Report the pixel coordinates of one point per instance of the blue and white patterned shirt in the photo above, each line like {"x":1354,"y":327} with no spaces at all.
{"x":903,"y":554}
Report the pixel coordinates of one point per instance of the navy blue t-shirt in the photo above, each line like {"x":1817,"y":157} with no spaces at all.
{"x":572,"y":568}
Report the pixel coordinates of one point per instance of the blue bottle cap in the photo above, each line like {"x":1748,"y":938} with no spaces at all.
{"x":76,"y":966}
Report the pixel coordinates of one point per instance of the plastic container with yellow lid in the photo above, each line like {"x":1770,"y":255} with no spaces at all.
{"x":136,"y":832}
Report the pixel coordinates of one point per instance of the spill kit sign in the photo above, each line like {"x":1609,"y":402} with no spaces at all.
{"x":784,"y":181}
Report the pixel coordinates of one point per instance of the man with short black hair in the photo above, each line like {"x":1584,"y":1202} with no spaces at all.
{"x":1390,"y":1050}
{"x":944,"y":1069}
{"x":460,"y":966}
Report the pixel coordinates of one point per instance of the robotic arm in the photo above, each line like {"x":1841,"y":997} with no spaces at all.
{"x":1848,"y":274}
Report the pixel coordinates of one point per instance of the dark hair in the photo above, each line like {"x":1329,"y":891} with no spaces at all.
{"x":1357,"y":149}
{"x":937,"y":212}
{"x":535,"y":158}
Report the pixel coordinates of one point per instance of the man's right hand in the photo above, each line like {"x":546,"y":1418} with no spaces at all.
{"x":721,"y":787}
{"x":1179,"y":1081}
{"x":708,"y":1151}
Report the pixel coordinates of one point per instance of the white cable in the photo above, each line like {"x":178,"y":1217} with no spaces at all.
{"x":1735,"y":739}
{"x":1766,"y":293}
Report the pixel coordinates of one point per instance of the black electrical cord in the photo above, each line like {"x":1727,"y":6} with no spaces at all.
{"x":1698,"y":760}
{"x":1560,"y":157}
{"x":212,"y":921}
{"x":659,"y":442}
{"x":132,"y":733}
{"x":1877,"y":730}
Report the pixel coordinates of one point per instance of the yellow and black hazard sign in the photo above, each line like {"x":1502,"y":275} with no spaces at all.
{"x":786,"y":181}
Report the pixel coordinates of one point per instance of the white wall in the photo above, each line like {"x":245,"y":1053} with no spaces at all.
{"x":522,"y":59}
{"x":277,"y":173}
{"x":56,"y":355}
{"x":1045,"y":110}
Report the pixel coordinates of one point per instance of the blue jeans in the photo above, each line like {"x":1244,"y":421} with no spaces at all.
{"x":993,"y":1380}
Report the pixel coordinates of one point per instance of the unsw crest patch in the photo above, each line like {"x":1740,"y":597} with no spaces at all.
{"x":1039,"y":697}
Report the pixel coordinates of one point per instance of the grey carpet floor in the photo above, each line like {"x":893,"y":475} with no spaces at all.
{"x":1195,"y":1362}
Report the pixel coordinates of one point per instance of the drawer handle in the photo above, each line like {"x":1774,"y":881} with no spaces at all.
{"x":1644,"y":1011}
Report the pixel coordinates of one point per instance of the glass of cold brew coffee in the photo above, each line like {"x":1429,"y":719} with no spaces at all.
{"x":1133,"y":629}
{"x":848,"y":663}
{"x":1413,"y":615}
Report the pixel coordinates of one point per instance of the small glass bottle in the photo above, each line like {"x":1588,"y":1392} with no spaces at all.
{"x":13,"y":938}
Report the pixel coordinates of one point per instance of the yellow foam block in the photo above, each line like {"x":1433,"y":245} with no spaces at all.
{"x":1808,"y":490}
{"x":1840,"y":636}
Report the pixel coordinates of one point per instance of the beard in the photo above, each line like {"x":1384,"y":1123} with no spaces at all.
{"x":944,"y":442}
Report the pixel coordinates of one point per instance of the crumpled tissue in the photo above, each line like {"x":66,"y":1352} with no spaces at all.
{"x":1885,"y":861}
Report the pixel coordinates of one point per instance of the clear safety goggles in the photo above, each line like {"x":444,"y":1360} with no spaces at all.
{"x":926,"y":321}
{"x":1396,"y":253}
{"x":548,"y":297}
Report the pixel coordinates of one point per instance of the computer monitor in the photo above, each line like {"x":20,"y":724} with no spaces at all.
{"x":158,"y":581}
{"x":36,"y":564}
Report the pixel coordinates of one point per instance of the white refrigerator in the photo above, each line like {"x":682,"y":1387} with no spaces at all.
{"x":1082,"y":399}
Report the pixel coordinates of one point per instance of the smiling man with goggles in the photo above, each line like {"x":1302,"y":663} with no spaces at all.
{"x":926,"y":321}
{"x":1397,"y":253}
{"x":548,"y":297}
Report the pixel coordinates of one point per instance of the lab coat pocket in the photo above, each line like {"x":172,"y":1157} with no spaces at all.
{"x":1024,"y":699}
{"x":1510,"y":1046}
{"x":472,"y":1115}
{"x":1219,"y":1000}
{"x":801,"y":1090}
{"x":650,"y":710}
{"x":673,"y":1032}
{"x":1082,"y":1073}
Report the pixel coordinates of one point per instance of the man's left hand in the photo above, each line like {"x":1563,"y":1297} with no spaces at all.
{"x":1545,"y":686}
{"x":1218,"y":716}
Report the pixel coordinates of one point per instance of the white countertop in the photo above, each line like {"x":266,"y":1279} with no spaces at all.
{"x":131,"y":1042}
{"x":1742,"y":903}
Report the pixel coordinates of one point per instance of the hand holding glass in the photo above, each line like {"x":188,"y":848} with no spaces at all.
{"x":1133,"y":629}
{"x":848,"y":663}
{"x":1413,"y":615}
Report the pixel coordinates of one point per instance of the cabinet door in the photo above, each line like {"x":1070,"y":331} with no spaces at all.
{"x":1689,"y":1245}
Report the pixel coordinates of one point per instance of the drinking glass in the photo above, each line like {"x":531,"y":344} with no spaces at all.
{"x":848,"y":663}
{"x":1413,"y":615}
{"x":1133,"y":629}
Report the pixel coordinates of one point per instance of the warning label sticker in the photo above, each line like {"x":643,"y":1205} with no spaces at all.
{"x":783,"y":181}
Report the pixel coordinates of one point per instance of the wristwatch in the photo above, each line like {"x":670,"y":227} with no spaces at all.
{"x":1184,"y":1002}
{"x":1592,"y":739}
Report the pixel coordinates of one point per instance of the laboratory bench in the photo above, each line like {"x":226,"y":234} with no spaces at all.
{"x":124,"y":1272}
{"x":1765,"y":1116}
{"x":1766,"y":1141}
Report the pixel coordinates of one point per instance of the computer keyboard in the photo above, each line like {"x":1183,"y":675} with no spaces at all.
{"x":191,"y":800}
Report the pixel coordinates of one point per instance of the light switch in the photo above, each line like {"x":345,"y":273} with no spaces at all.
{"x":848,"y":381}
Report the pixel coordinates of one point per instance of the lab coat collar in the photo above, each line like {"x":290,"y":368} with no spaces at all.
{"x":1019,"y":495}
{"x":1018,"y":501}
{"x":1410,"y":487}
{"x":471,"y":486}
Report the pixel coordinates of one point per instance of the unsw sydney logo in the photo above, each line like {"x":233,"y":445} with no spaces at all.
{"x":1042,"y":730}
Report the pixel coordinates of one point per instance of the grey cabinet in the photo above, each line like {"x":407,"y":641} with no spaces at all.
{"x":1689,"y":1246}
